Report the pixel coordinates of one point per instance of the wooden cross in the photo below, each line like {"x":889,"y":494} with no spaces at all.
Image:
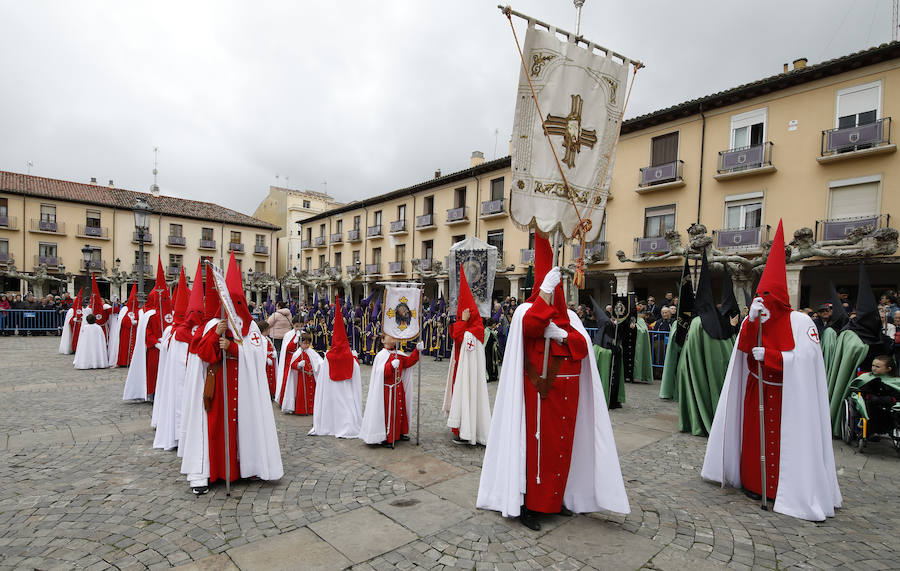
{"x":569,"y":128}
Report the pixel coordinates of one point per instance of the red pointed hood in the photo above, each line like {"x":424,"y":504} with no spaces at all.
{"x":97,"y":302}
{"x":159,"y":298}
{"x":182,"y":295}
{"x":212,"y":305}
{"x":340,"y":359}
{"x":236,"y":291}
{"x":467,"y":301}
{"x":772,"y":288}
{"x":132,"y":303}
{"x":543,"y":262}
{"x":78,"y":303}
{"x":194,"y":311}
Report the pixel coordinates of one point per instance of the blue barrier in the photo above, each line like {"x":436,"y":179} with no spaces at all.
{"x":31,"y":320}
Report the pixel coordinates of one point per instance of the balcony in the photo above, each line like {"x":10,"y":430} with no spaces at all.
{"x":100,"y":233}
{"x":261,"y":249}
{"x":316,"y":272}
{"x":337,"y":237}
{"x":146,"y":269}
{"x":527,"y":256}
{"x":48,"y":227}
{"x":397,"y":267}
{"x":492,"y":208}
{"x":177,"y":241}
{"x":351,"y":269}
{"x":425,"y":264}
{"x":6,"y":258}
{"x":353,"y":235}
{"x":9,"y":223}
{"x":319,"y":241}
{"x":839,"y":228}
{"x":398,"y":227}
{"x":93,"y":266}
{"x":49,"y":261}
{"x":596,"y":252}
{"x":147,"y":238}
{"x":173,"y":270}
{"x":745,"y":161}
{"x":856,"y":142}
{"x":236,"y":247}
{"x":739,"y":238}
{"x":659,"y":177}
{"x":457,"y":215}
{"x":425,"y":221}
{"x":373,"y":269}
{"x":305,"y":244}
{"x":373,"y":231}
{"x":207,"y":244}
{"x":656,"y":245}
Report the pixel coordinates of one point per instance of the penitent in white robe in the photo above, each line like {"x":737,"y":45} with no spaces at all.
{"x":169,"y":401}
{"x":466,"y":399}
{"x":162,"y":383}
{"x":65,"y":339}
{"x":374,"y":425}
{"x":338,"y":404}
{"x":136,"y":380}
{"x":293,"y":377}
{"x":91,"y":352}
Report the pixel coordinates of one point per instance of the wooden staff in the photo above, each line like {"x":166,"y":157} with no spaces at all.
{"x":762,"y":414}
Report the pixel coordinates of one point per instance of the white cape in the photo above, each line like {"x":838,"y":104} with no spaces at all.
{"x":807,"y":479}
{"x":91,"y":352}
{"x":193,"y":438}
{"x":169,"y":402}
{"x":595,"y":478}
{"x":293,"y":377}
{"x":136,"y":381}
{"x":162,"y":384}
{"x":466,"y":401}
{"x":65,"y":339}
{"x":338,"y":404}
{"x":115,"y":325}
{"x":279,"y":369}
{"x":374,"y":425}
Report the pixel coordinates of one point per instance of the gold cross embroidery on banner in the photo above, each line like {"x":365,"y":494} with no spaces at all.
{"x":569,"y":128}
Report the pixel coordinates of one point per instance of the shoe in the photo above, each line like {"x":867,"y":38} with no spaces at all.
{"x":404,"y":437}
{"x":566,"y":512}
{"x":752,"y":495}
{"x":385,"y":444}
{"x":529,"y":520}
{"x":200,"y":490}
{"x":458,"y":440}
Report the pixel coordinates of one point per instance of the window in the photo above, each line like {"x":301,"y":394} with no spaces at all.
{"x":659,"y":219}
{"x":321,"y":260}
{"x":203,"y":260}
{"x":497,"y":188}
{"x":376,"y":255}
{"x":308,"y":263}
{"x":176,"y":230}
{"x":260,"y":239}
{"x":96,"y":255}
{"x":337,"y":260}
{"x":400,"y":253}
{"x":664,"y":149}
{"x":531,"y":239}
{"x":321,"y":229}
{"x":854,"y":197}
{"x":235,"y":237}
{"x":401,"y":212}
{"x":46,"y":250}
{"x":306,"y":204}
{"x":858,"y":105}
{"x":743,"y":212}
{"x":339,"y":227}
{"x":207,"y":234}
{"x":459,"y":197}
{"x":92,"y":218}
{"x":356,"y":259}
{"x":748,"y":129}
{"x":428,"y":205}
{"x":428,"y":249}
{"x":260,"y":267}
{"x":356,"y":222}
{"x":4,"y":248}
{"x":457,"y":238}
{"x":175,"y":260}
{"x":48,"y":213}
{"x":495,"y":238}
{"x":309,"y":234}
{"x":4,"y":207}
{"x":377,"y":218}
{"x":141,"y":260}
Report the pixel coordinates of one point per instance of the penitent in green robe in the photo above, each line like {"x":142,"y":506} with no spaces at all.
{"x":643,"y":364}
{"x":603,"y":358}
{"x":849,"y":353}
{"x":828,"y":342}
{"x":670,"y":366}
{"x":699,"y":378}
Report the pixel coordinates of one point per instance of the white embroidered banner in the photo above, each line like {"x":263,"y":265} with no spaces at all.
{"x":235,"y":323}
{"x":581,"y":94}
{"x":401,"y":312}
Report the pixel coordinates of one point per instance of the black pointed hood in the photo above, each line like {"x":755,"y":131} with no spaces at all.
{"x":867,"y":323}
{"x":705,"y":304}
{"x":603,"y":320}
{"x":839,"y":317}
{"x":685,"y":304}
{"x":729,"y":307}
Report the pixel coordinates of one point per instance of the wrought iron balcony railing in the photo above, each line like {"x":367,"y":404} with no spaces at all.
{"x":492,"y":207}
{"x":396,"y":267}
{"x":92,"y":231}
{"x":425,"y":220}
{"x":9,"y":223}
{"x":372,"y":231}
{"x":839,"y":228}
{"x":5,"y":258}
{"x":145,"y":268}
{"x":353,"y":235}
{"x":457,"y":215}
{"x":745,"y":158}
{"x":740,"y":238}
{"x":207,"y":244}
{"x":425,"y":264}
{"x":398,"y":227}
{"x":306,"y":244}
{"x":527,"y":255}
{"x":849,"y":139}
{"x":177,"y":241}
{"x":146,"y":237}
{"x":49,"y":261}
{"x":373,"y":269}
{"x":660,"y":174}
{"x":261,"y":249}
{"x":236,"y":247}
{"x":337,"y":237}
{"x":319,"y":241}
{"x":93,"y":266}
{"x":173,"y":270}
{"x":48,"y":226}
{"x":594,"y":250}
{"x":654,"y":245}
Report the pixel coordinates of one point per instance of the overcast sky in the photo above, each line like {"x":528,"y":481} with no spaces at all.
{"x":369,"y":96}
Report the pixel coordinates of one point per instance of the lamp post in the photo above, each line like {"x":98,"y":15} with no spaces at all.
{"x":141,"y":223}
{"x":87,"y":254}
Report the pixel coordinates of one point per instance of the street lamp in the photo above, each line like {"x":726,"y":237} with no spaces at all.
{"x":142,"y":213}
{"x":87,"y":254}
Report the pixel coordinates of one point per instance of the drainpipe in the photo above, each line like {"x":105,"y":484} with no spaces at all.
{"x":702,"y":145}
{"x":477,"y":202}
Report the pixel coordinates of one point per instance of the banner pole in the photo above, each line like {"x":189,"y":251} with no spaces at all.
{"x":762,"y":426}
{"x":419,"y":372}
{"x":225,"y":411}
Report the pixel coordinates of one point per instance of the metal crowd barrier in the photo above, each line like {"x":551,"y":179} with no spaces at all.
{"x":31,"y":320}
{"x":659,"y":341}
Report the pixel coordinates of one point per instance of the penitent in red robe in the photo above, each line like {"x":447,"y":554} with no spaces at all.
{"x":208,"y":350}
{"x":271,"y":364}
{"x":393,"y":387}
{"x":288,"y":350}
{"x":547,"y":459}
{"x":773,"y":377}
{"x":75,"y":324}
{"x":304,"y":400}
{"x":152,"y":336}
{"x":457,"y":331}
{"x":127,"y":335}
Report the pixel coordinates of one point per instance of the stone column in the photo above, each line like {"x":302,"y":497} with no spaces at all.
{"x":366,"y":288}
{"x":623,"y":281}
{"x":793,"y":283}
{"x":443,"y":287}
{"x":514,"y":286}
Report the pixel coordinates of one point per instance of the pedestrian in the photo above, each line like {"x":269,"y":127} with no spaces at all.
{"x":280,"y":324}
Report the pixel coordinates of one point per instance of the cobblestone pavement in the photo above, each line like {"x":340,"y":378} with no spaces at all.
{"x":82,"y":488}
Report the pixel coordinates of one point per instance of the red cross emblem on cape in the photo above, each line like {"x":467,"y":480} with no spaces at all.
{"x":470,"y":345}
{"x":813,"y":334}
{"x":254,"y":339}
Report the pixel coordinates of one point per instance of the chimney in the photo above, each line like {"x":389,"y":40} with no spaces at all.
{"x":477,"y":159}
{"x":111,"y":185}
{"x":154,"y":189}
{"x":93,"y":180}
{"x":437,"y":173}
{"x":785,"y":68}
{"x":800,"y":63}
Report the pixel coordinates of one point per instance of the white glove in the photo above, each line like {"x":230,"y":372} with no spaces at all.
{"x":553,"y":331}
{"x":301,"y":363}
{"x":395,"y":363}
{"x":758,"y":311}
{"x":759,"y":353}
{"x":551,"y":280}
{"x":158,"y":345}
{"x":354,"y":353}
{"x":420,"y":346}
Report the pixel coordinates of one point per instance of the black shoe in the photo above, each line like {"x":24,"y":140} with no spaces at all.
{"x":200,"y":490}
{"x":404,"y":437}
{"x":529,"y":519}
{"x":385,"y":444}
{"x":457,"y":440}
{"x":752,"y":495}
{"x":566,"y":512}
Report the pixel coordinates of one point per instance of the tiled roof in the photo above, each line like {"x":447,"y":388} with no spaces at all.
{"x":55,"y":189}
{"x":747,"y":91}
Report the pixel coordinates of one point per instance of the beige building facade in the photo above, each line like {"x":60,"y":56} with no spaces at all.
{"x":45,"y":224}
{"x":811,"y":146}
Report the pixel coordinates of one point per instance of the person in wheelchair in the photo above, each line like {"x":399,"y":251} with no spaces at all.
{"x":872,"y":408}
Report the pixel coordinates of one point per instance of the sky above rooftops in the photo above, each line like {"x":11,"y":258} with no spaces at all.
{"x":353,"y":98}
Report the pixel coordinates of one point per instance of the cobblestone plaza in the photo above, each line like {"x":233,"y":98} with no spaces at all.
{"x":82,"y":488}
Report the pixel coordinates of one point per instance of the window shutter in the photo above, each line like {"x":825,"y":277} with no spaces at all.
{"x":854,"y":200}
